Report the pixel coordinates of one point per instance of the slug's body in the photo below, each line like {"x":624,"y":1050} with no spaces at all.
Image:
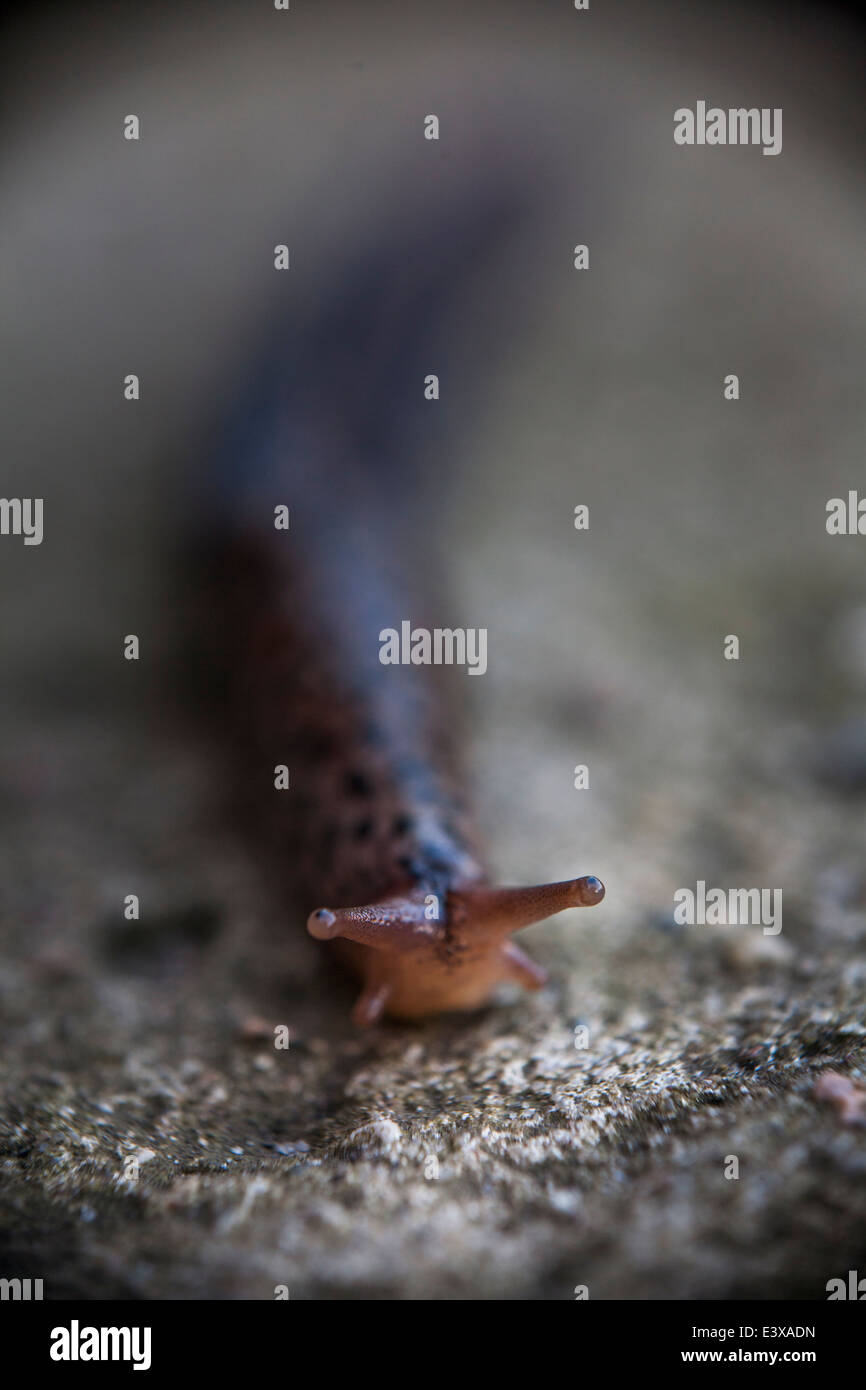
{"x":372,"y":832}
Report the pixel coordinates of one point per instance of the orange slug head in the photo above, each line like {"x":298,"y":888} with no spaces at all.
{"x":420,"y":956}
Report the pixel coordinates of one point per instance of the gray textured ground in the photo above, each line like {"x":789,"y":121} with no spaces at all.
{"x":467,"y":1158}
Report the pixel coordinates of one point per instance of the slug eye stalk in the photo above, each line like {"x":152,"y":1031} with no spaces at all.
{"x":497,"y":912}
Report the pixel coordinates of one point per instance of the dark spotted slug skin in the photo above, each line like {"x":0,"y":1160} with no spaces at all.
{"x":373,"y":836}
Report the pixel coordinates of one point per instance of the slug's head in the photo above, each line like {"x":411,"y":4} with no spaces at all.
{"x":419,"y":955}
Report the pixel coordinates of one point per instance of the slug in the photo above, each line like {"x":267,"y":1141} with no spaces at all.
{"x":372,"y":835}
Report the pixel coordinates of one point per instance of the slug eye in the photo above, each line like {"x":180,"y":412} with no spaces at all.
{"x":593,"y":887}
{"x":322,"y":923}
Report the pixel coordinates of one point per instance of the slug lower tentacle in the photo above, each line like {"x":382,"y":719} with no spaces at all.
{"x":372,"y":831}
